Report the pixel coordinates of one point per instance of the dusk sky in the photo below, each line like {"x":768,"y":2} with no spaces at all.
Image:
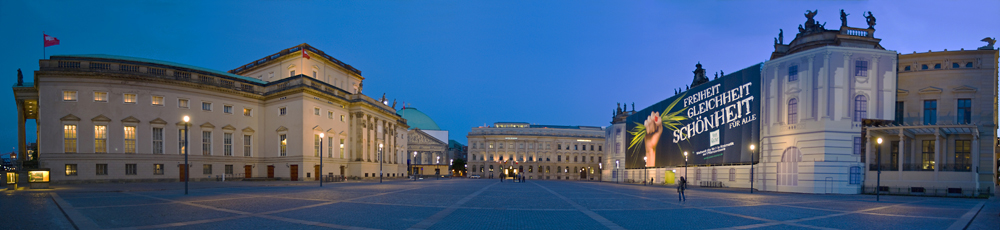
{"x":470,"y":63}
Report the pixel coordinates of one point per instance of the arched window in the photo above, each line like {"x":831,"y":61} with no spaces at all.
{"x":788,"y":168}
{"x":954,"y":65}
{"x":968,"y":65}
{"x":924,"y":66}
{"x":531,"y":168}
{"x":793,"y":111}
{"x":860,"y":107}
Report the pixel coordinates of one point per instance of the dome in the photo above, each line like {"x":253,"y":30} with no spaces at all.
{"x":416,"y":119}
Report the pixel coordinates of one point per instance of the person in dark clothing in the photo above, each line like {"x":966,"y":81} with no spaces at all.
{"x":501,"y":177}
{"x":680,"y":189}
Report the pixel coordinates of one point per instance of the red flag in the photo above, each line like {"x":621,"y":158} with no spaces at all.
{"x":304,"y":54}
{"x":50,"y":40}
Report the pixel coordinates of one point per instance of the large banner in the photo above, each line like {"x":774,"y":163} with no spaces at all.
{"x":715,"y":122}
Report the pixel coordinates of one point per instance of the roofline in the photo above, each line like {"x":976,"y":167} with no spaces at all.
{"x":260,"y":62}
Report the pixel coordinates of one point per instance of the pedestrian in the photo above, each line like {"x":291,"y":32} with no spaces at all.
{"x":680,"y":189}
{"x":651,"y":181}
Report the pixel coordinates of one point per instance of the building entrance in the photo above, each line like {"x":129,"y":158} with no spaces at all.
{"x":316,"y":169}
{"x":270,"y":171}
{"x":247,"y":171}
{"x":294,"y":174}
{"x":182,"y":170}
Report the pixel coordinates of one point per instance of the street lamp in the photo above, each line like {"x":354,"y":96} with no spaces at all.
{"x":320,"y":160}
{"x":645,"y":173}
{"x":752,"y":147}
{"x":380,"y":162}
{"x":187,"y":169}
{"x":878,"y":158}
{"x":413,"y":168}
{"x":685,"y":165}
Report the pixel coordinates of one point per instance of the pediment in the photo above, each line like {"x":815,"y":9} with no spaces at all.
{"x":69,"y":118}
{"x":247,"y":130}
{"x":282,"y":129}
{"x":420,"y":137}
{"x":317,"y":128}
{"x":964,"y":89}
{"x":931,"y":90}
{"x":130,"y":119}
{"x":158,"y":121}
{"x":101,"y":118}
{"x":229,"y":127}
{"x":902,"y":92}
{"x":207,"y":125}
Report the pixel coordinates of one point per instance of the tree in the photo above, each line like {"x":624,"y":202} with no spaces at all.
{"x":458,"y":165}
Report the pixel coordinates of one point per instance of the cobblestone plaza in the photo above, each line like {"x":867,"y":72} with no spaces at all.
{"x":473,"y":204}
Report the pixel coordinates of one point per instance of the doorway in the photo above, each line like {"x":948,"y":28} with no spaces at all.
{"x":583,"y":174}
{"x":294,"y":174}
{"x":270,"y":171}
{"x":182,"y":170}
{"x":342,"y":171}
{"x":247,"y":171}
{"x":316,"y":168}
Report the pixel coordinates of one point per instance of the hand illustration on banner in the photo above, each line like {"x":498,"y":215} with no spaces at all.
{"x":654,"y":127}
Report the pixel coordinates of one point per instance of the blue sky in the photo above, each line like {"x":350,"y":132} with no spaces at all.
{"x":469,"y":63}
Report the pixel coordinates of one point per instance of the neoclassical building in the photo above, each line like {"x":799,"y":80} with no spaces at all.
{"x":427,"y":144}
{"x":550,"y":152}
{"x":114,"y":118}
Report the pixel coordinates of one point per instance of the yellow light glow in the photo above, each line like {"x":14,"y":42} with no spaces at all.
{"x":879,"y":140}
{"x":187,"y":119}
{"x":38,"y":176}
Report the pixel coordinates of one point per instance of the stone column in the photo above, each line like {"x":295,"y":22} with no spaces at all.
{"x":822,"y":83}
{"x":937,"y":153}
{"x":902,"y":148}
{"x":21,"y":144}
{"x":974,"y":158}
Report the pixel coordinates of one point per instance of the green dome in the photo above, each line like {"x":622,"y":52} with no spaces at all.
{"x":416,"y":119}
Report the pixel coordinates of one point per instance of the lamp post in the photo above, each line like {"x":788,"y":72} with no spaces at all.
{"x":380,"y":162}
{"x":342,"y":155}
{"x":752,"y":147}
{"x":645,"y":173}
{"x":320,"y":160}
{"x":878,"y":158}
{"x":187,"y":170}
{"x":413,"y":169}
{"x":685,"y":165}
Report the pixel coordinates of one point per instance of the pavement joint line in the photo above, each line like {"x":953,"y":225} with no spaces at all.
{"x":185,"y":223}
{"x":593,"y":215}
{"x":433,"y":219}
{"x":966,"y":219}
{"x":76,"y":218}
{"x":121,"y":206}
{"x":405,"y":205}
{"x":313,"y":223}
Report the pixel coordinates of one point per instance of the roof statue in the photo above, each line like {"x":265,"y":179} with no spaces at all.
{"x":382,"y":100}
{"x":843,"y":18}
{"x":699,"y":76}
{"x":989,"y":46}
{"x":633,"y":106}
{"x":811,"y":25}
{"x":781,"y":36}
{"x":716,"y":75}
{"x":871,"y":20}
{"x":361,"y":86}
{"x":722,"y":73}
{"x":619,"y":107}
{"x":394,"y":104}
{"x":20,"y":77}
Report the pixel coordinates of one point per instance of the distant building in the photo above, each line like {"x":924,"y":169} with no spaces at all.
{"x":613,"y":167}
{"x":551,"y":152}
{"x":427,"y":144}
{"x":114,"y":118}
{"x":457,"y":151}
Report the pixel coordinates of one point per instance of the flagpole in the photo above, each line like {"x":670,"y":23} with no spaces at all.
{"x":43,"y":44}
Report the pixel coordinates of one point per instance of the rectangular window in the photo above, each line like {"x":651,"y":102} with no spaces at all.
{"x":182,"y":103}
{"x":855,"y":175}
{"x":70,"y":169}
{"x":930,"y":112}
{"x":963,"y":150}
{"x":793,"y":73}
{"x":857,"y":145}
{"x":316,"y":111}
{"x":69,"y":95}
{"x":100,"y":138}
{"x":329,"y":147}
{"x":206,"y":143}
{"x":282,"y":111}
{"x":927,"y":155}
{"x":129,"y":139}
{"x":964,"y":111}
{"x":227,"y":141}
{"x":206,"y":169}
{"x":246,"y":112}
{"x":283,"y":145}
{"x":157,"y":140}
{"x":207,"y":106}
{"x":180,"y":141}
{"x":899,"y":113}
{"x":894,"y":155}
{"x":861,"y":68}
{"x":291,"y":73}
{"x":102,"y":169}
{"x":69,"y":138}
{"x":329,"y":114}
{"x":341,"y":148}
{"x":227,"y":109}
{"x":247,"y":145}
{"x":129,"y":98}
{"x":101,"y":96}
{"x":157,"y":169}
{"x":157,"y":100}
{"x":229,"y":169}
{"x":131,"y":169}
{"x":341,"y":117}
{"x":316,"y":145}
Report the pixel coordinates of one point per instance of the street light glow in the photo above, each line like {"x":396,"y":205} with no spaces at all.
{"x":752,"y":147}
{"x":187,"y":119}
{"x":879,"y":140}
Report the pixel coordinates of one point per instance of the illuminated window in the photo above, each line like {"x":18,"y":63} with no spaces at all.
{"x":157,"y":169}
{"x":69,"y":95}
{"x":100,"y":138}
{"x":341,"y":148}
{"x":157,"y":140}
{"x":182,"y":103}
{"x":927,"y":155}
{"x":283,"y":145}
{"x":180,"y":141}
{"x":69,"y":138}
{"x":157,"y":100}
{"x":341,"y":117}
{"x":963,"y":148}
{"x":793,"y":111}
{"x":247,"y":112}
{"x":131,"y":169}
{"x":860,"y":108}
{"x":206,"y":143}
{"x":227,"y":144}
{"x":247,"y":145}
{"x":102,"y":169}
{"x":129,"y":98}
{"x":129,"y":139}
{"x":70,"y":169}
{"x":101,"y":96}
{"x":316,"y":145}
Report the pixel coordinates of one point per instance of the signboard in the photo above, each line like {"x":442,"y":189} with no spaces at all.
{"x":714,"y":122}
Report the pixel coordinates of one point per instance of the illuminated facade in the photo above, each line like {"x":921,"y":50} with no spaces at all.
{"x":113,"y":118}
{"x":549,"y":152}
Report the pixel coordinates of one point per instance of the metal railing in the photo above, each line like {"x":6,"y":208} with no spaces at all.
{"x":930,"y":191}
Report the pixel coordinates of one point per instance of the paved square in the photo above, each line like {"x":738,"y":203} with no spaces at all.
{"x":471,"y":204}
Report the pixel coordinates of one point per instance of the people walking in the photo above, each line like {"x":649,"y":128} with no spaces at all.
{"x":680,"y":189}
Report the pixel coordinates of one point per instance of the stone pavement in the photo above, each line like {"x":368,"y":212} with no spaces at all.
{"x":471,"y":204}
